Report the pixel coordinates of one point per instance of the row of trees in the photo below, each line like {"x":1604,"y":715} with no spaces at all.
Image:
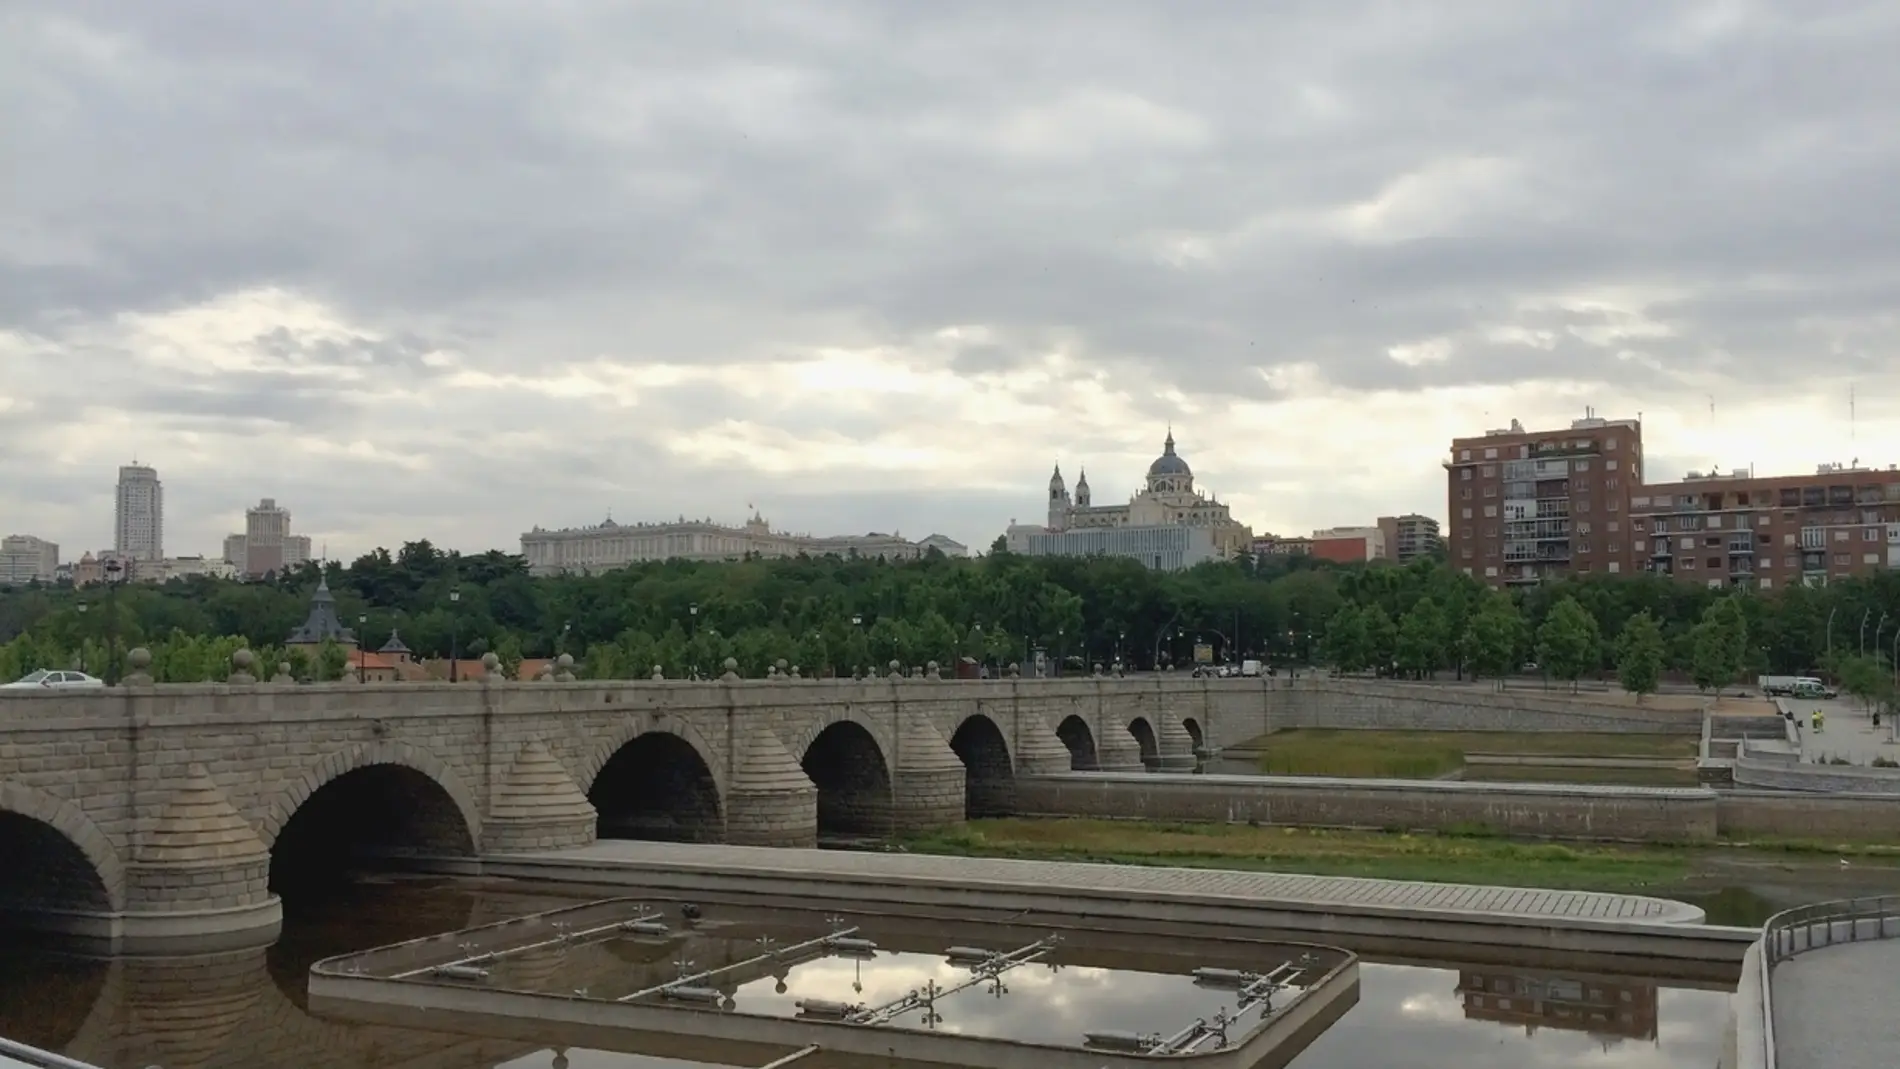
{"x":835,"y":615}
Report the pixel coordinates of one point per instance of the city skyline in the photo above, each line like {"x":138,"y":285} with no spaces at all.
{"x":663,"y":266}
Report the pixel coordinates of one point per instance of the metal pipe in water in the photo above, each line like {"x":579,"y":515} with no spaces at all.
{"x":769,"y":955}
{"x":497,"y":955}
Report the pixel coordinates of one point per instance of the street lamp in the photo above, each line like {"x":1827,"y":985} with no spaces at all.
{"x":455,"y":635}
{"x":362,"y":652}
{"x":114,"y":572}
{"x":82,"y":635}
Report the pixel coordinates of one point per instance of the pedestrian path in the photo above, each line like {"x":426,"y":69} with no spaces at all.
{"x":1834,"y":1008}
{"x":1260,"y":888}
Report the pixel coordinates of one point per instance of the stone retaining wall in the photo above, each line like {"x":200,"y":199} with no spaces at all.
{"x":1553,"y":811}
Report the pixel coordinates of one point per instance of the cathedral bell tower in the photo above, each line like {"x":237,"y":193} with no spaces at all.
{"x":1058,"y":501}
{"x":1082,"y":490}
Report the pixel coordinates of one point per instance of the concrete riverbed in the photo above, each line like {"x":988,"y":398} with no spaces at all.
{"x":251,"y":1011}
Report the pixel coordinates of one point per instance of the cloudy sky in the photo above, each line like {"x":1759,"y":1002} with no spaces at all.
{"x":452,"y":269}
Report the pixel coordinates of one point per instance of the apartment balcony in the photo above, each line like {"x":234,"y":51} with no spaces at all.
{"x":1738,"y":548}
{"x":1661,"y":550}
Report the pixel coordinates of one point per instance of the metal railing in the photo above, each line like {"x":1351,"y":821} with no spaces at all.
{"x":1796,"y":931}
{"x":40,"y":1059}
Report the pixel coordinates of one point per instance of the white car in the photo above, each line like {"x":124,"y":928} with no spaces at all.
{"x":44,"y":678}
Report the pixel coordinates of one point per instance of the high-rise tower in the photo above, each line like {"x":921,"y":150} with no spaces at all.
{"x":138,"y":514}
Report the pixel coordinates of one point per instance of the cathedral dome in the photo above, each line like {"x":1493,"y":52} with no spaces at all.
{"x":1169,"y":462}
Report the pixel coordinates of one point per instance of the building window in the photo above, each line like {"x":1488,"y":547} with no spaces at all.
{"x":1612,"y":506}
{"x":1490,"y":552}
{"x":1489,"y":471}
{"x":1640,"y":544}
{"x":1490,"y":532}
{"x":1464,"y":493}
{"x":1490,"y":511}
{"x":1464,"y":454}
{"x":1788,"y":539}
{"x":1761,"y":520}
{"x":1464,"y":474}
{"x":1583,"y":547}
{"x":1788,"y":562}
{"x":1615,"y":547}
{"x":1466,"y":513}
{"x":1688,"y":564}
{"x":1583,"y":527}
{"x":1490,"y":454}
{"x":1616,"y":566}
{"x":1688,"y":543}
{"x":1582,"y":465}
{"x":1870,"y":558}
{"x":1609,"y":465}
{"x":1610,"y":444}
{"x":1491,"y":572}
{"x":1583,"y":504}
{"x":1639,"y":502}
{"x":1871,"y":534}
{"x":1840,"y":536}
{"x":1465,"y":553}
{"x":1613,"y":527}
{"x":1491,"y":491}
{"x":1842,"y":559}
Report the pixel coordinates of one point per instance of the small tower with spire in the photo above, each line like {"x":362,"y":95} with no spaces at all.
{"x":1082,"y":489}
{"x":1058,"y":501}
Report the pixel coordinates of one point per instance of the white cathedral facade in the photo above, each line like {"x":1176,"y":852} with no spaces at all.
{"x":1167,"y":525}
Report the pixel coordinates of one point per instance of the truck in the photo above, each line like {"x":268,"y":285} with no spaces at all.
{"x":1250,"y":668}
{"x":1794,"y":687}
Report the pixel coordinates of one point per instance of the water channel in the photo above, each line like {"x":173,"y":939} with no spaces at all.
{"x":251,"y":1010}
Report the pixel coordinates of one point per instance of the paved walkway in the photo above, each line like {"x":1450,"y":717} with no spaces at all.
{"x":1834,"y":1008}
{"x":1260,"y":887}
{"x":1849,"y":732}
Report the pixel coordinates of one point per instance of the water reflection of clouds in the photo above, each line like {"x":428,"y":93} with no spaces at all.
{"x":1412,"y":1018}
{"x":1040,"y":1004}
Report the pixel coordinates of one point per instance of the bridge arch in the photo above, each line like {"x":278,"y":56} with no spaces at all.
{"x":1145,"y":738}
{"x":1076,"y":734}
{"x":658,"y":785}
{"x":989,"y":785}
{"x":635,"y":726}
{"x":379,"y":796}
{"x":1195,"y":734}
{"x":57,"y":857}
{"x":846,"y":762}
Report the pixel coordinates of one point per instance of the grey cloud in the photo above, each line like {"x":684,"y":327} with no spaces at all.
{"x":674,"y":182}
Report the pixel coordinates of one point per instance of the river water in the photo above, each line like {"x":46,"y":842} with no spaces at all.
{"x":250,"y":1011}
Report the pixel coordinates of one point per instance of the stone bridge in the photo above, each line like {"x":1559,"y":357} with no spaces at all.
{"x":152,"y":816}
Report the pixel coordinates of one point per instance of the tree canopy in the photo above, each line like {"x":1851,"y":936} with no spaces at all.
{"x":834,"y":615}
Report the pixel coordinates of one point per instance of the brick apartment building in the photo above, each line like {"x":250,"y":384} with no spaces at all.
{"x":1526,"y":506}
{"x":1772,"y":531}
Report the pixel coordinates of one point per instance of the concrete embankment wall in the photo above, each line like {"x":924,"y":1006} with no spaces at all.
{"x":1776,"y":815}
{"x":1547,"y":810}
{"x":1557,"y":811}
{"x":1376,"y":705}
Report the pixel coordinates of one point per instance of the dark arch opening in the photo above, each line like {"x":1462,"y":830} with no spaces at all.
{"x":1193,"y":727}
{"x":657,"y":787}
{"x":355,"y":823}
{"x":989,"y":785}
{"x":365,"y":913}
{"x":45,"y":996}
{"x":45,"y":870}
{"x":854,"y":786}
{"x":1075,"y":734}
{"x":1144,"y":734}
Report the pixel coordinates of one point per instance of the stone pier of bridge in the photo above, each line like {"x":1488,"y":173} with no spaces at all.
{"x":148,"y":816}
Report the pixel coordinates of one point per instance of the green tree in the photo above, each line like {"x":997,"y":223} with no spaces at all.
{"x":1492,"y":639}
{"x":1347,"y":644}
{"x":1639,"y":655}
{"x":1421,"y":644}
{"x":1567,"y":643}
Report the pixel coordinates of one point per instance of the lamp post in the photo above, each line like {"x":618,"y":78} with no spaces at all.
{"x":1062,"y":649}
{"x":1863,"y":632}
{"x":455,"y":635}
{"x":1830,"y":631}
{"x":362,"y":652}
{"x":114,"y":572}
{"x":82,"y":635}
{"x":857,"y":639}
